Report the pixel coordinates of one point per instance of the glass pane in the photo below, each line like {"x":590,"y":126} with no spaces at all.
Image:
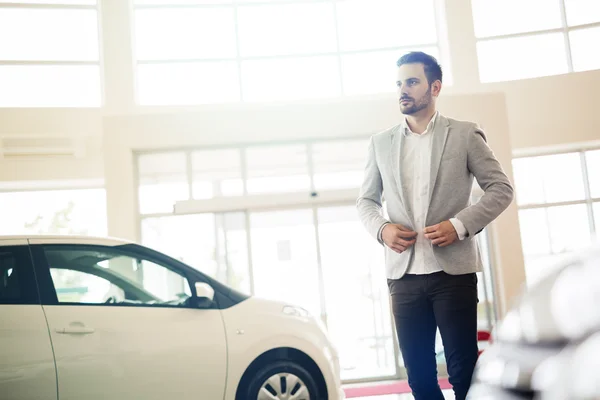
{"x":233,"y":252}
{"x":62,"y":212}
{"x":215,"y":244}
{"x":551,"y":179}
{"x":185,"y":33}
{"x":486,"y":315}
{"x":529,"y":186}
{"x":373,"y":72}
{"x":535,"y":235}
{"x":539,"y":55}
{"x":569,"y":228}
{"x":503,"y":17}
{"x":277,"y":169}
{"x":290,"y":79}
{"x":179,"y":2}
{"x":256,"y":25}
{"x":563,"y":177}
{"x":593,"y":169}
{"x":188,"y":83}
{"x":80,"y":287}
{"x":61,"y":2}
{"x":597,"y":220}
{"x":163,"y":181}
{"x":356,"y":295}
{"x":583,"y":43}
{"x":50,"y":86}
{"x":48,"y":35}
{"x":377,"y":24}
{"x":217,"y":173}
{"x":284,"y":257}
{"x":339,"y":164}
{"x":187,"y":238}
{"x":581,"y":12}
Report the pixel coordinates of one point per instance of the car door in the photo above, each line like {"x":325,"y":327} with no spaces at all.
{"x":27,"y":369}
{"x":122,"y":326}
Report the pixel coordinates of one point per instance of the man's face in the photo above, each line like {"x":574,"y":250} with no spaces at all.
{"x":414,"y":92}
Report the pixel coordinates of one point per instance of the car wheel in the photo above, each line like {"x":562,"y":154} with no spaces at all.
{"x":282,"y":380}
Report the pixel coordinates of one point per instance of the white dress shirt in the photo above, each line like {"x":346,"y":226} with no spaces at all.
{"x":415,"y":168}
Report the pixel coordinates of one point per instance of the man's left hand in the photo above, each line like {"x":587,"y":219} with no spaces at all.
{"x":442,"y":234}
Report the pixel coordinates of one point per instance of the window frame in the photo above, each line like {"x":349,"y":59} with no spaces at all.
{"x":48,"y":290}
{"x":588,"y":200}
{"x":239,"y":59}
{"x":29,"y":293}
{"x":565,"y":29}
{"x":61,"y":63}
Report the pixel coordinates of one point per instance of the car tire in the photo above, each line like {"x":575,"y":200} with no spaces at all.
{"x":280,"y":379}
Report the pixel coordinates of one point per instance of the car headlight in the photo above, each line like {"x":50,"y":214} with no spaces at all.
{"x":296,"y":311}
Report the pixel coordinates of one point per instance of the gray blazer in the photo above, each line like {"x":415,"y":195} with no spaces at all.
{"x":459,"y":153}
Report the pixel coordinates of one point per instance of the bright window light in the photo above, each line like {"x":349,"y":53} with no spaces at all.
{"x":185,"y":33}
{"x":257,"y":25}
{"x":593,"y":167}
{"x":373,"y":72}
{"x":538,"y":55}
{"x":583,"y":41}
{"x":48,"y":35}
{"x":76,"y":211}
{"x":291,"y":79}
{"x":581,"y":12}
{"x":277,"y":169}
{"x":179,"y":2}
{"x":188,"y":83}
{"x":380,"y":24}
{"x":57,"y":2}
{"x":503,"y":17}
{"x":50,"y":86}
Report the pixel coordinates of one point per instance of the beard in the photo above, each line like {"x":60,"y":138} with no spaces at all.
{"x":417,"y":105}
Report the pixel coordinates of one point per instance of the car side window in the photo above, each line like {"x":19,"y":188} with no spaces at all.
{"x":17,"y":285}
{"x":81,"y":287}
{"x":106,"y":275}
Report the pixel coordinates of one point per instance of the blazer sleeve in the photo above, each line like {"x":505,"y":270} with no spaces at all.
{"x":498,"y":192}
{"x":369,"y":202}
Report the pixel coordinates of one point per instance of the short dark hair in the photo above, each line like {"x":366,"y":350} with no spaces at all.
{"x":433,"y":69}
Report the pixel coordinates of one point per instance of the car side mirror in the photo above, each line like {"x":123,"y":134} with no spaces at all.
{"x":204,"y":291}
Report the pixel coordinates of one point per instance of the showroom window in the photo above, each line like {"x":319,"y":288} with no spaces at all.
{"x":52,"y":58}
{"x":559,"y":206}
{"x":112,"y":277}
{"x":312,"y":251}
{"x":543,"y":38}
{"x":218,"y":51}
{"x":31,"y":210}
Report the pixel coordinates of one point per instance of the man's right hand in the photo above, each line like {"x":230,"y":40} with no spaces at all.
{"x":397,"y":237}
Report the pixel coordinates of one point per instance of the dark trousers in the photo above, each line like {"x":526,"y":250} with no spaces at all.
{"x":422,"y":303}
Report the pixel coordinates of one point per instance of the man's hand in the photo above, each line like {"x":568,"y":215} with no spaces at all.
{"x":442,"y":234}
{"x":397,"y":237}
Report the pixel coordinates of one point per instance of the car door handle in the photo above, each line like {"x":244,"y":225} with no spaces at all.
{"x":76,"y":330}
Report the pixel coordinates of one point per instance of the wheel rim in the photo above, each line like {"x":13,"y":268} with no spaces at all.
{"x":283,"y":387}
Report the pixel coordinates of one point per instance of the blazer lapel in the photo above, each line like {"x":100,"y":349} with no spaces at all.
{"x":397,"y":138}
{"x":440,"y":135}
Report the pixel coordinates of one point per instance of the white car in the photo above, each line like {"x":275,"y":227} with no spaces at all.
{"x":97,"y":318}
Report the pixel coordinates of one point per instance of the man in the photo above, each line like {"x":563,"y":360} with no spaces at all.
{"x":425,"y":167}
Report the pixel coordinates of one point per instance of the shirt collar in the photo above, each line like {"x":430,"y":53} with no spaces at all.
{"x":406,"y":129}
